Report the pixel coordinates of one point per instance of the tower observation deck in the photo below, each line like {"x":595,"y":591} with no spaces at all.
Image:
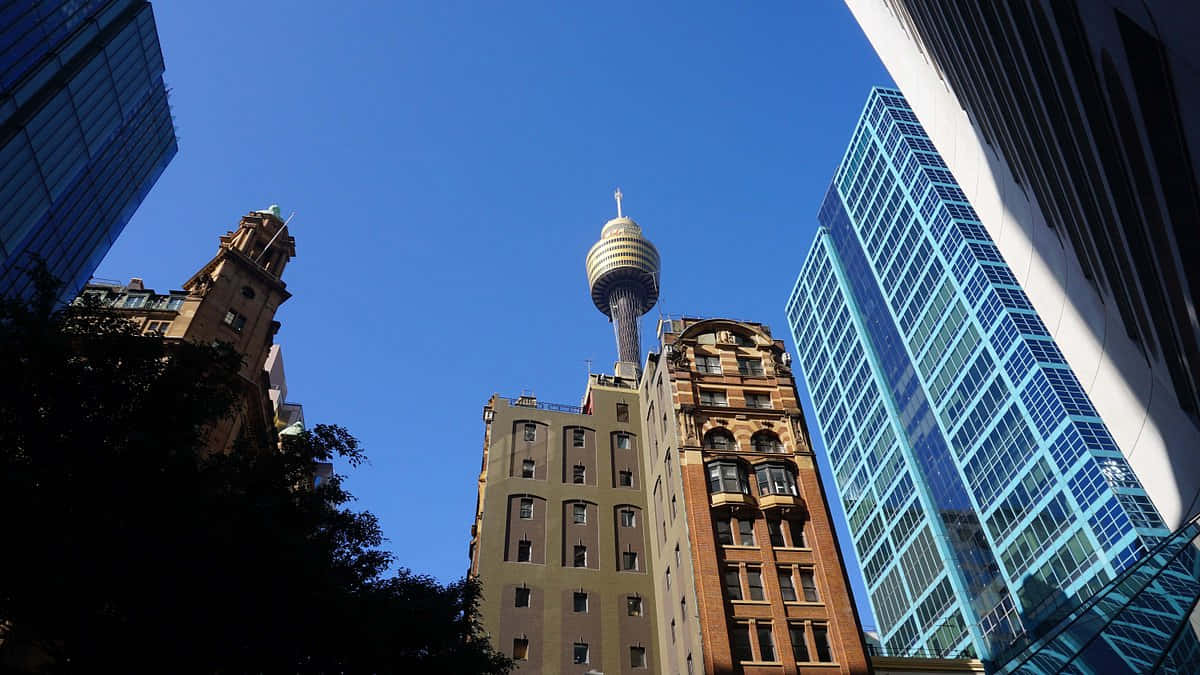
{"x":622,"y":272}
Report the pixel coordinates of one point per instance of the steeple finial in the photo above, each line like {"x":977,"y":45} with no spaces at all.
{"x":618,"y":195}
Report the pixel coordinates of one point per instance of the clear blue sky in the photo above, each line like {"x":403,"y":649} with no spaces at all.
{"x":451,"y":163}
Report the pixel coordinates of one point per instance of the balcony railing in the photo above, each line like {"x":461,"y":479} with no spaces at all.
{"x":529,"y":402}
{"x":918,"y":653}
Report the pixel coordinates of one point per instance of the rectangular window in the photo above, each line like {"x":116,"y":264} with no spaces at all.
{"x":627,"y":518}
{"x":622,"y":412}
{"x":754,"y":583}
{"x":713,"y":398}
{"x":821,"y":642}
{"x":672,"y":631}
{"x":522,"y":599}
{"x":530,"y":432}
{"x":520,"y":649}
{"x":799,"y":645}
{"x":637,"y":657}
{"x":673,"y":508}
{"x":174,"y":303}
{"x":796,"y":529}
{"x":668,"y":578}
{"x":757,"y":400}
{"x":809,"y":584}
{"x":746,"y":532}
{"x":524,"y":550}
{"x":677,"y":561}
{"x":733,"y":583}
{"x":766,"y":642}
{"x":137,"y":301}
{"x":710,"y":365}
{"x":775,"y":530}
{"x":786,"y":589}
{"x":724,"y":533}
{"x":234,"y":320}
{"x":580,"y":556}
{"x":578,"y":474}
{"x":157,"y":327}
{"x":526,"y":508}
{"x":623,"y":441}
{"x":581,"y":652}
{"x":625,"y":478}
{"x":748,"y":366}
{"x":527,"y":468}
{"x":581,"y":602}
{"x":629,"y":560}
{"x":633,"y":604}
{"x":579,"y":511}
{"x":740,"y":636}
{"x":577,"y":438}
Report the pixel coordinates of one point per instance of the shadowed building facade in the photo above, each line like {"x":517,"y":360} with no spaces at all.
{"x":747,"y":570}
{"x":233,"y":299}
{"x":85,"y":131}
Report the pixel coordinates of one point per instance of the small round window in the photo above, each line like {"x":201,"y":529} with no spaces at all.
{"x":248,"y":292}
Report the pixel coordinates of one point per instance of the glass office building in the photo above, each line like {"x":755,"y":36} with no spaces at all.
{"x":85,"y":131}
{"x":984,"y":494}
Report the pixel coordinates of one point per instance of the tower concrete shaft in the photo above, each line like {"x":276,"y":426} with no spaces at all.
{"x":625,"y":304}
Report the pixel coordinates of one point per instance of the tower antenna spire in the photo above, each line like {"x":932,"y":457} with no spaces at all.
{"x":618,"y":196}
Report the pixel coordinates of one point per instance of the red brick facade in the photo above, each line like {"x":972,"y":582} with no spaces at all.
{"x":734,"y":408}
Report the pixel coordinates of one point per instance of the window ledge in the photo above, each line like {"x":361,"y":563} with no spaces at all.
{"x":803,"y":603}
{"x":750,"y":602}
{"x":722,"y":498}
{"x":740,"y":547}
{"x":792,"y":548}
{"x":830,"y":664}
{"x":776,"y":500}
{"x":761,"y":663}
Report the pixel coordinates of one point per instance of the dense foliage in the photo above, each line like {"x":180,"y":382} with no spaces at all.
{"x":126,"y":549}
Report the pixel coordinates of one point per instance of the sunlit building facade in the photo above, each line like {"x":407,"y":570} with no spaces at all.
{"x":85,"y":131}
{"x":983,"y":491}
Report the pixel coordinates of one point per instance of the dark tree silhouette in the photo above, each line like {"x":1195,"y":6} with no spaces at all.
{"x":127,"y":549}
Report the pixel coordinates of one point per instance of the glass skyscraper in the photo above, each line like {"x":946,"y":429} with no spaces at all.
{"x":984,"y":494}
{"x":85,"y":131}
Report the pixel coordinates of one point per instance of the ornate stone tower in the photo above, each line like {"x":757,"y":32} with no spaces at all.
{"x":622,"y":271}
{"x":232,"y":298}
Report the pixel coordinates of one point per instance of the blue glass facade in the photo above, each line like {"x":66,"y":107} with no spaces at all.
{"x":85,"y":131}
{"x":983,"y":492}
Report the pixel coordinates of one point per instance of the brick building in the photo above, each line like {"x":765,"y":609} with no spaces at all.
{"x":748,"y":575}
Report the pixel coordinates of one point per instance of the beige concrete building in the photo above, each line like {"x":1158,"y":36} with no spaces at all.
{"x":559,"y":540}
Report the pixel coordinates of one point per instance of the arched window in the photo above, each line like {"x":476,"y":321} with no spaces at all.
{"x":719,"y":439}
{"x":775,"y":479}
{"x":766,"y":441}
{"x":727,"y":477}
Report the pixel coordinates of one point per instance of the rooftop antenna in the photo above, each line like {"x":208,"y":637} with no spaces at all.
{"x":618,"y":196}
{"x":276,"y":236}
{"x":589,"y":366}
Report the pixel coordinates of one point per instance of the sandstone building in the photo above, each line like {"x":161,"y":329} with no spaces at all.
{"x":232,"y":298}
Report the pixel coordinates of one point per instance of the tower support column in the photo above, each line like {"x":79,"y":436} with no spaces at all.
{"x":625,"y":303}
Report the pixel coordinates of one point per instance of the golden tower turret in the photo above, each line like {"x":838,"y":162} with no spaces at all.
{"x":622,"y":272}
